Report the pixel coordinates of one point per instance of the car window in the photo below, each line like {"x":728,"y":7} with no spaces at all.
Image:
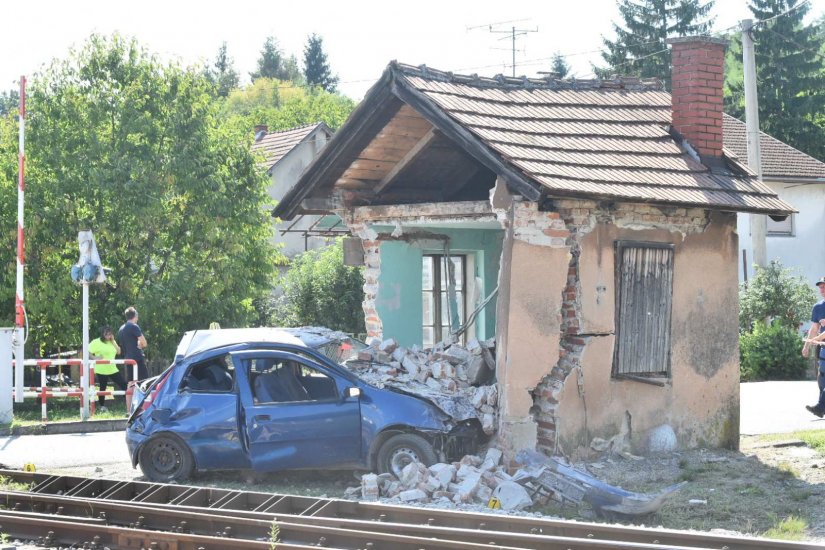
{"x":214,"y":375}
{"x":276,"y":380}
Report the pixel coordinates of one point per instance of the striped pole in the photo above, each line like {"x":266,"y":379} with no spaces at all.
{"x":19,"y":316}
{"x":19,"y":304}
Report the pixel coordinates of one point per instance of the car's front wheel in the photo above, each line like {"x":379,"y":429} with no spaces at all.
{"x":165,"y":458}
{"x":402,"y":449}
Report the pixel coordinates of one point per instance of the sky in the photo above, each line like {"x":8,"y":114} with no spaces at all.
{"x":360,"y":37}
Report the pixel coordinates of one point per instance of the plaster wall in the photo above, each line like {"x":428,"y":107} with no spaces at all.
{"x":805,"y":249}
{"x":700,"y":400}
{"x":398,"y":301}
{"x":283,"y":176}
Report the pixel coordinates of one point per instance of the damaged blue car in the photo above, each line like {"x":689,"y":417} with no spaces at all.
{"x":276,"y":399}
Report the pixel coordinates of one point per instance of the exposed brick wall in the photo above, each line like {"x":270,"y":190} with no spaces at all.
{"x":372,"y":272}
{"x":698,"y":76}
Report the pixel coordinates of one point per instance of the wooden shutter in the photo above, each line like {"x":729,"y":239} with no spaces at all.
{"x":644,"y":283}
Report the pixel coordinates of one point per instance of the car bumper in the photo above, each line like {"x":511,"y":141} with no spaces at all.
{"x":133,"y":442}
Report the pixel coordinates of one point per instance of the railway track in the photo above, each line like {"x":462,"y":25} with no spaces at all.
{"x":66,"y":510}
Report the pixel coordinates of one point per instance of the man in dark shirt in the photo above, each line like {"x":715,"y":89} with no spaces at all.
{"x":132,"y":341}
{"x":817,"y":328}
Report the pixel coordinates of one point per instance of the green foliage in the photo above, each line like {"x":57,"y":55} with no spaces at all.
{"x":775,"y":293}
{"x":316,"y":67}
{"x":281,"y":105}
{"x":222,"y":74}
{"x":9,"y":101}
{"x":639,"y":48}
{"x":272,"y":64}
{"x":560,"y":65}
{"x":274,"y":533}
{"x":771,"y":352}
{"x":138,"y":151}
{"x":320,"y":290}
{"x":791,"y":83}
{"x":790,"y":528}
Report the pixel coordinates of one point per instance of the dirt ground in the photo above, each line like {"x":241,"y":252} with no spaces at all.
{"x":749,"y":491}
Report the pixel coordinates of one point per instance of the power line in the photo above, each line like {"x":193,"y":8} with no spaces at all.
{"x":778,"y":15}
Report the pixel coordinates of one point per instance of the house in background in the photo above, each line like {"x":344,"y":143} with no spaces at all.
{"x":285,"y":156}
{"x":590,"y":226}
{"x":799,"y":180}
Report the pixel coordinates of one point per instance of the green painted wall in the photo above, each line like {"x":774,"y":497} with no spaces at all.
{"x":399,"y":290}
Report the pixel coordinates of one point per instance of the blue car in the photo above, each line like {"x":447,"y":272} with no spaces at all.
{"x":269,"y":400}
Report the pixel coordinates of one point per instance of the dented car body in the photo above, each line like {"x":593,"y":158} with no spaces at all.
{"x":267,"y":400}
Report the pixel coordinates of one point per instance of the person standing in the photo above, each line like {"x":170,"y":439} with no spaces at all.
{"x":133,"y":342}
{"x":105,"y":347}
{"x":816,"y":334}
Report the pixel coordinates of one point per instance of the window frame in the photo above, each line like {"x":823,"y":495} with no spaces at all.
{"x":436,"y":292}
{"x":657,"y":378}
{"x":230,"y":368}
{"x":302,"y":363}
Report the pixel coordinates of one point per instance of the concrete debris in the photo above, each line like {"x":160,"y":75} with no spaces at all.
{"x":460,"y":380}
{"x":472,"y":480}
{"x":512,"y":496}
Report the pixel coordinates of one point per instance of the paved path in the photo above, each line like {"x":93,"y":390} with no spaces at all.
{"x":64,"y":450}
{"x":766,"y":407}
{"x":777,"y":407}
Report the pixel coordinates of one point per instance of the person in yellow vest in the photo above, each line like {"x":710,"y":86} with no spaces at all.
{"x":106,"y":347}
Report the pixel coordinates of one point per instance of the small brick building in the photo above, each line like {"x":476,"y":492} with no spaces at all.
{"x":588,"y":226}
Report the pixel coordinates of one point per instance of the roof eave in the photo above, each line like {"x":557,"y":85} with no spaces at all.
{"x":318,"y":126}
{"x":320,"y":167}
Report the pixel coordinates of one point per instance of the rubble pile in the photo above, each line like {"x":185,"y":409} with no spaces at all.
{"x":458,"y":379}
{"x":473,"y":480}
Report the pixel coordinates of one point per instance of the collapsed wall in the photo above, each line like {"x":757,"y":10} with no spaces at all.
{"x":574,"y":395}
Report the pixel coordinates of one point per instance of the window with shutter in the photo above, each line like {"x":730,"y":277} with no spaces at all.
{"x":781,"y":229}
{"x":644,"y":291}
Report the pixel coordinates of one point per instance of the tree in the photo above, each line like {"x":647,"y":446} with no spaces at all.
{"x":9,"y":101}
{"x":269,"y":64}
{"x":282,"y":105}
{"x":560,"y":65}
{"x":639,"y":48}
{"x":777,"y":294}
{"x":316,"y":66}
{"x":320,"y":290}
{"x":790,"y":79}
{"x":138,"y":151}
{"x":222,"y":74}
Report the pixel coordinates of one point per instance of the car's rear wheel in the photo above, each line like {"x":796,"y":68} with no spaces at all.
{"x":165,"y":458}
{"x":402,"y":449}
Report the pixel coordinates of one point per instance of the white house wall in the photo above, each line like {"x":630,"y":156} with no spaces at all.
{"x":805,"y":250}
{"x":284,"y":175}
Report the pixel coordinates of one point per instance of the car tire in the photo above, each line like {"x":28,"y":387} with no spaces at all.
{"x":401,"y":449}
{"x":165,"y":458}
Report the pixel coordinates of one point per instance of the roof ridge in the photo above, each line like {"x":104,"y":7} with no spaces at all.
{"x":550,"y":82}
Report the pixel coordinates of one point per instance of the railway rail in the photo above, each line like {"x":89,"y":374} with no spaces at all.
{"x":97,"y":513}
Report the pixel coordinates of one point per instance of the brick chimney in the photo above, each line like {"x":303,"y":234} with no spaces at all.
{"x":697,"y":81}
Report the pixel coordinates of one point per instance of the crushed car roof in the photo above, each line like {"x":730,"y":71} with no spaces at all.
{"x":196,"y":341}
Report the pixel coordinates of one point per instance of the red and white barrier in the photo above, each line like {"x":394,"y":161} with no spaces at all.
{"x":45,"y":392}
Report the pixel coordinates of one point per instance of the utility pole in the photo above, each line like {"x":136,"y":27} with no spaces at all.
{"x":758,"y":222}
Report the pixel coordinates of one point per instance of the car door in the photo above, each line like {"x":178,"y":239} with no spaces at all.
{"x":296,"y":413}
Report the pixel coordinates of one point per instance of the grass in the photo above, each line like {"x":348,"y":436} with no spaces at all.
{"x":7,"y":484}
{"x":815,"y":439}
{"x":63,"y":410}
{"x":790,"y":528}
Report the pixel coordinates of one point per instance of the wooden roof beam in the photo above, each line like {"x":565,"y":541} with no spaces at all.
{"x":411,"y":156}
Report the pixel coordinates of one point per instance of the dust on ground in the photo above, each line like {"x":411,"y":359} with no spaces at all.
{"x":748,"y":491}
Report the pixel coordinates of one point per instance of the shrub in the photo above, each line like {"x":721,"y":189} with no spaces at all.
{"x":772,"y":352}
{"x":319,"y":290}
{"x":775,"y":293}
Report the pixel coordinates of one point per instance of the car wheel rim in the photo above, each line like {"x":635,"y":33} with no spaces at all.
{"x":166,"y":458}
{"x":400,"y":458}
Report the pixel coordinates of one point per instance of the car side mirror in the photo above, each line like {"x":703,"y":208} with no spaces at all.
{"x":353,"y":392}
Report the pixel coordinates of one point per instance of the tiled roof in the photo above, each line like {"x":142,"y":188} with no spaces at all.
{"x":276,"y":145}
{"x":779,"y":160}
{"x":608,"y":139}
